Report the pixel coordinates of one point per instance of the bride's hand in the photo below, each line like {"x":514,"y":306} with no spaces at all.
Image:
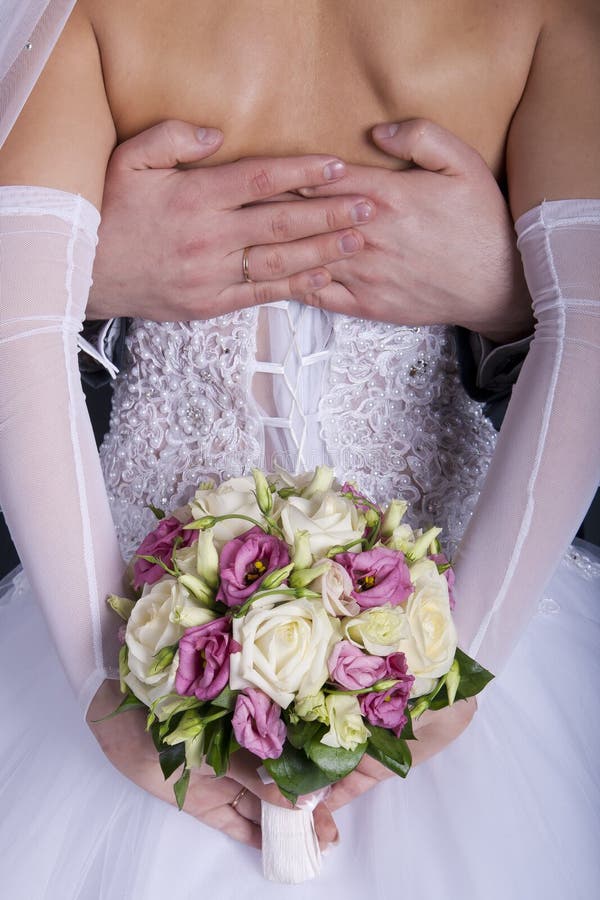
{"x":171,"y":241}
{"x":130,"y":749}
{"x":442,"y":249}
{"x":433,"y":731}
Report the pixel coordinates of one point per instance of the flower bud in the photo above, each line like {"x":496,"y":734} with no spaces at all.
{"x":197,"y":588}
{"x":276,"y":577}
{"x":121,"y":605}
{"x":419,"y":708}
{"x":207,"y":559}
{"x":162,"y":659}
{"x":422,"y":544}
{"x":393,"y":516}
{"x":302,"y":577}
{"x":301,"y":554}
{"x":312,"y":709}
{"x":194,"y":751}
{"x":173,"y":704}
{"x":123,"y":668}
{"x":190,"y":726}
{"x":191,"y":616}
{"x":321,"y":481}
{"x":371,"y":518}
{"x":453,"y":681}
{"x":264,"y":497}
{"x":201,"y":524}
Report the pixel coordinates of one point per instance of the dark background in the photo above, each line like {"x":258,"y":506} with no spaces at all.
{"x":98,"y":401}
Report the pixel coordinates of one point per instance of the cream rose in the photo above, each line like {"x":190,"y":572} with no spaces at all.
{"x":234,"y":497}
{"x":285,"y":648}
{"x":329,"y":520}
{"x":335,"y":587}
{"x":346,"y":726}
{"x":379,"y":630}
{"x":431,"y":642}
{"x":157,"y":621}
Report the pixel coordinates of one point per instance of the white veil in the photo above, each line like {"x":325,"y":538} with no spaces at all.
{"x":29,"y":30}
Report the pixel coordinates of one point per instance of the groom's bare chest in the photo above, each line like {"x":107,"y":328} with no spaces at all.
{"x":314,"y":75}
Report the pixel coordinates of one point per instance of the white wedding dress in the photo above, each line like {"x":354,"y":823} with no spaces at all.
{"x":510,"y":809}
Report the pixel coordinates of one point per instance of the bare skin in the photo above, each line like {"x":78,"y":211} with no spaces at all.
{"x":517,"y":81}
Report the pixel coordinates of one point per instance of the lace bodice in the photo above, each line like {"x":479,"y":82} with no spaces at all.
{"x":290,"y":385}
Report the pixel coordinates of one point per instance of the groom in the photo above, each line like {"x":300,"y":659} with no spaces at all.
{"x":441,"y":232}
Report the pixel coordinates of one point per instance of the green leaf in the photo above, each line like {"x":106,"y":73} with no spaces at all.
{"x":407,"y":733}
{"x":295,"y":774}
{"x":180,"y":787}
{"x":336,"y":762}
{"x":130,"y":701}
{"x":171,"y":758}
{"x":473,"y":677}
{"x":393,"y":752}
{"x":301,"y":732}
{"x":159,"y":513}
{"x":226,"y":699}
{"x":217,"y":746}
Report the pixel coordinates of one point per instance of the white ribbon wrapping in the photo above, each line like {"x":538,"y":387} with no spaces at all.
{"x":290,"y":849}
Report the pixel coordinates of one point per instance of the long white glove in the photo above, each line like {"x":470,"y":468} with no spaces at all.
{"x":546,"y":465}
{"x":51,"y":486}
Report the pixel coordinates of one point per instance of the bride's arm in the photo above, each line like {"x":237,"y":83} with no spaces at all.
{"x":546,"y":465}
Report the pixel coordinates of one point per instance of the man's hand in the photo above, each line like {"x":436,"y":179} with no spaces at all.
{"x":172,"y":240}
{"x":442,"y":249}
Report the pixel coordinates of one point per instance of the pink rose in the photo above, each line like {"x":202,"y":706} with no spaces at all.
{"x":204,"y":650}
{"x":386,"y":709}
{"x":246,"y":561}
{"x":379,"y":576}
{"x":159,"y":543}
{"x":352,"y":669}
{"x":257,"y":724}
{"x":441,"y":560}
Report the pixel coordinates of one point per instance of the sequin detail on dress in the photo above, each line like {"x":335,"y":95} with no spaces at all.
{"x":295,"y":386}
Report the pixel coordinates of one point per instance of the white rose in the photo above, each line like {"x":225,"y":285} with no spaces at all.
{"x":431,"y":643}
{"x":234,"y":497}
{"x":347,"y":728}
{"x":154,"y":623}
{"x":285,"y":648}
{"x":336,"y":587}
{"x":328,"y":519}
{"x":379,"y":630}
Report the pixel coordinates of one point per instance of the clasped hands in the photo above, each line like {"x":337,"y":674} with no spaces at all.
{"x":432,"y":244}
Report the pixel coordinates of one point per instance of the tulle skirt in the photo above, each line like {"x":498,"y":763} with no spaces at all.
{"x":509,"y":811}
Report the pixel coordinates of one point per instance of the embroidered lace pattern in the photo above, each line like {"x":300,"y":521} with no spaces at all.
{"x":295,"y":386}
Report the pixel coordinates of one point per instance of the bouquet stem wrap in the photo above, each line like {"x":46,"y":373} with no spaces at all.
{"x":290,"y":849}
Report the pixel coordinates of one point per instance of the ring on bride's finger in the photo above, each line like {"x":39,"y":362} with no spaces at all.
{"x":238,"y":797}
{"x":246,"y":265}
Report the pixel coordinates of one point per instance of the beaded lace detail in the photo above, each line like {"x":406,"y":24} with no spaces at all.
{"x":294,"y":386}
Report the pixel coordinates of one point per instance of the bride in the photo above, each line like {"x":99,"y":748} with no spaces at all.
{"x":509,"y":808}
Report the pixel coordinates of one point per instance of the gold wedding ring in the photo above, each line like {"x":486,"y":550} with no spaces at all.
{"x":238,"y":797}
{"x":246,"y":265}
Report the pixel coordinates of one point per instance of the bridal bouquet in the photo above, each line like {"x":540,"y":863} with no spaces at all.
{"x":291,"y":616}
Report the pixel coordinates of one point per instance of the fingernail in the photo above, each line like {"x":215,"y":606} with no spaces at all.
{"x":349,"y":243}
{"x":362,"y":212}
{"x":334,"y":169}
{"x":319,"y":280}
{"x":207,"y":135}
{"x":385,"y":131}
